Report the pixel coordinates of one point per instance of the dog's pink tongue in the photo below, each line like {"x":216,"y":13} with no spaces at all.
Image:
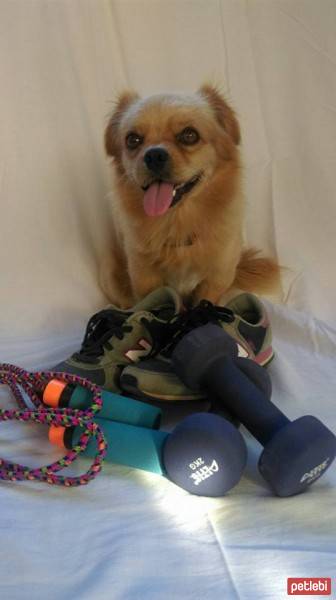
{"x":158,"y":198}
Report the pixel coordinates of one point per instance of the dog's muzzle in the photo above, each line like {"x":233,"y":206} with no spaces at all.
{"x":157,"y":160}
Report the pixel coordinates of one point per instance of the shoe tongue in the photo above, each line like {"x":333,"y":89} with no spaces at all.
{"x":103,"y":325}
{"x":117,"y":319}
{"x":158,"y":198}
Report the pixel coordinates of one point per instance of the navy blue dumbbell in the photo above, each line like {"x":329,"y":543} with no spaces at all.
{"x":205,"y":454}
{"x":260,"y":378}
{"x":295,"y":453}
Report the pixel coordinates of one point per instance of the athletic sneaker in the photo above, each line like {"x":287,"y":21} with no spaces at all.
{"x":115,"y":338}
{"x":244,"y":318}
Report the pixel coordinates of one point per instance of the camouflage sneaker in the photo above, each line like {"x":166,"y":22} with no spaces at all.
{"x":115,"y":338}
{"x":244,"y":318}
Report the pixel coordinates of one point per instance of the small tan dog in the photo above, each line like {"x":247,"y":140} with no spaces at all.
{"x":178,"y":208}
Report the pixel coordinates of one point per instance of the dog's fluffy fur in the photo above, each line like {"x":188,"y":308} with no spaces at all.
{"x":196,"y":245}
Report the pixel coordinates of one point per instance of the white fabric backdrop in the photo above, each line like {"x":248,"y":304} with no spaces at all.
{"x":130,"y":535}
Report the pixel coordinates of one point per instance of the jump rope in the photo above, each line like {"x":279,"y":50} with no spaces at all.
{"x":19,"y":381}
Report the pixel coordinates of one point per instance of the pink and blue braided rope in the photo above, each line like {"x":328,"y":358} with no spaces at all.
{"x":18,"y":379}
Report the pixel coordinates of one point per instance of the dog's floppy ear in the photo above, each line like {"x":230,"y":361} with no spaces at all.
{"x":224,"y":113}
{"x":112,"y":143}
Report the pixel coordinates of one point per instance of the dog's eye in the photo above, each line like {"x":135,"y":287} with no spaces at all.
{"x":188,"y":136}
{"x":133,"y":140}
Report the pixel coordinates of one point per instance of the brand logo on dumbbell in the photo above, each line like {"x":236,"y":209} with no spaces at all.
{"x":315,"y":472}
{"x":204,"y":472}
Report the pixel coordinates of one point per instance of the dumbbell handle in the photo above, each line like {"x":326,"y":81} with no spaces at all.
{"x":243,"y":399}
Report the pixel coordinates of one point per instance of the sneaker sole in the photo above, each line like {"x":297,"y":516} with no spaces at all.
{"x":129,"y":387}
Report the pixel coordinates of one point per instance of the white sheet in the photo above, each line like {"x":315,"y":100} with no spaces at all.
{"x":131,"y":535}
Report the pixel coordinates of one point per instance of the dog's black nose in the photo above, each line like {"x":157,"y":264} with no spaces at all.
{"x":156,"y":159}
